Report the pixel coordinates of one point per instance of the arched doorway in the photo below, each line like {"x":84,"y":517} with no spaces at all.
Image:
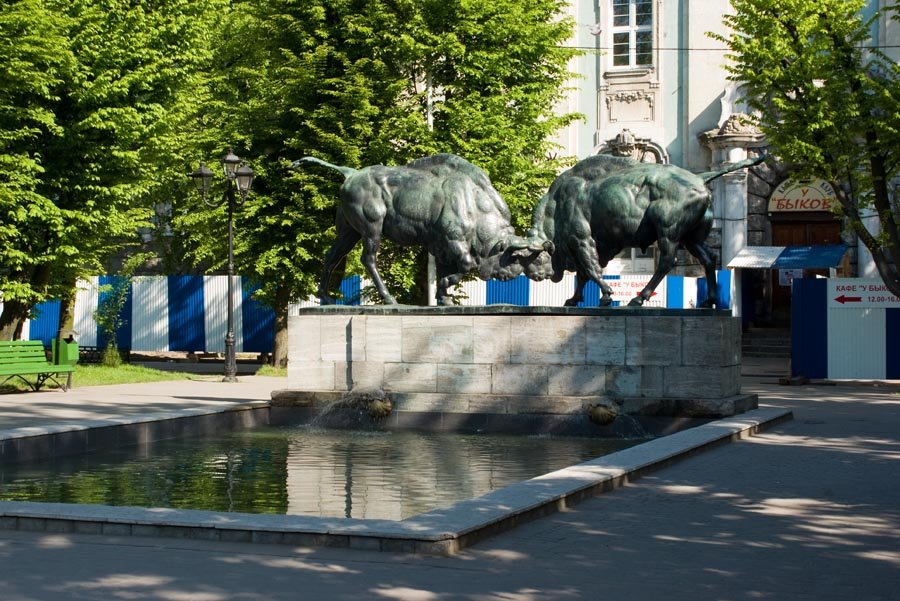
{"x":799,"y":213}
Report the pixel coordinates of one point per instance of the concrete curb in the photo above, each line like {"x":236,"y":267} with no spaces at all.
{"x":441,"y":532}
{"x":40,"y":443}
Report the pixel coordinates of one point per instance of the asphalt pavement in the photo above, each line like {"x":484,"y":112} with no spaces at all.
{"x":809,"y":509}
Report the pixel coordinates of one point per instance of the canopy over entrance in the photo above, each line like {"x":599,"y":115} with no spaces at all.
{"x":789,"y":257}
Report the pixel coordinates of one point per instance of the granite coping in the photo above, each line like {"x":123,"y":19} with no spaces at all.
{"x":125,"y":420}
{"x":440,"y":531}
{"x":624,"y":311}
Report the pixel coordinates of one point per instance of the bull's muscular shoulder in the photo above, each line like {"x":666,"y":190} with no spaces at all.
{"x":447,"y":167}
{"x":599,"y":166}
{"x":391,"y":178}
{"x":444,"y":164}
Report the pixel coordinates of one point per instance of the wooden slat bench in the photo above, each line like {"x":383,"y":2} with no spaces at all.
{"x":19,"y":358}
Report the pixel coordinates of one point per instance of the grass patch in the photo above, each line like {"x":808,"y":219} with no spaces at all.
{"x":268,"y":370}
{"x":101,"y":375}
{"x":96,"y":374}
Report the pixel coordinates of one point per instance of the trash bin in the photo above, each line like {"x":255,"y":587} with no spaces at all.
{"x":64,"y":351}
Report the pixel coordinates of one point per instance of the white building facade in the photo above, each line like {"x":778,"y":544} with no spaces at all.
{"x":652,"y":85}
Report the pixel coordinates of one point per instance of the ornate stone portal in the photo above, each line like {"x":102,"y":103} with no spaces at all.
{"x":626,"y":144}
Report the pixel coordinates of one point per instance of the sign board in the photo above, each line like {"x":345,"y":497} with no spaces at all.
{"x":802,"y":195}
{"x":858,"y":293}
{"x":627,"y":287}
{"x":786,"y":276}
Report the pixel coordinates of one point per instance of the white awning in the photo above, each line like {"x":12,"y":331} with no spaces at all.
{"x":789,"y":257}
{"x":756,"y":257}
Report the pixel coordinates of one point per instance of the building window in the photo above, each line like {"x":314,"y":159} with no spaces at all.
{"x":632,"y":33}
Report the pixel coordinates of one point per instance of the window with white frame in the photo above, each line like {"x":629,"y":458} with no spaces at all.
{"x":632,"y":33}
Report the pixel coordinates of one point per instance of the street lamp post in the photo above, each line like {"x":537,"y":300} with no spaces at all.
{"x":239,"y":177}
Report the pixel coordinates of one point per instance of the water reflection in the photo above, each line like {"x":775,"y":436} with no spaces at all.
{"x":303,"y":471}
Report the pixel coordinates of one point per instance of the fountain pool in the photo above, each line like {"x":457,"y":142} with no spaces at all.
{"x":299,"y":470}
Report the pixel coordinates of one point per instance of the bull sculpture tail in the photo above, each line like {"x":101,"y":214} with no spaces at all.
{"x":345,"y":171}
{"x":709,"y":176}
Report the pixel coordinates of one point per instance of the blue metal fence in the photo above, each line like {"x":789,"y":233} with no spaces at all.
{"x":843,"y":328}
{"x":186,"y":313}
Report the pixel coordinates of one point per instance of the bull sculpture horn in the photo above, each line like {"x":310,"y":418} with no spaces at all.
{"x":516,"y":243}
{"x":532,"y":243}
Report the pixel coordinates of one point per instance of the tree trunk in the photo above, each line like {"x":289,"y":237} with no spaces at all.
{"x":886,"y":256}
{"x":67,"y":313}
{"x":15,"y":312}
{"x":280,"y":347}
{"x":886,"y":269}
{"x":12,"y":320}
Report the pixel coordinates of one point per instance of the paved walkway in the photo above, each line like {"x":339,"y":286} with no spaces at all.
{"x":807,"y":510}
{"x":98,"y":403}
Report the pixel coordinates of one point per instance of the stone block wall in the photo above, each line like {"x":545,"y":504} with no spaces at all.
{"x":517,"y":359}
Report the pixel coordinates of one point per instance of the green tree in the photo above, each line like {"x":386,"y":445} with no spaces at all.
{"x":108,"y":315}
{"x":362,"y":82}
{"x":497,"y":68}
{"x":34,"y":57}
{"x":828,"y":102}
{"x":96,"y":132}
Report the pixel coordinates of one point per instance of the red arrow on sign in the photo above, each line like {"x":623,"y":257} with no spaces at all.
{"x":848,"y":299}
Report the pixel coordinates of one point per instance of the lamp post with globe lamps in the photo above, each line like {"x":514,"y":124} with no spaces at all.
{"x":240,"y":178}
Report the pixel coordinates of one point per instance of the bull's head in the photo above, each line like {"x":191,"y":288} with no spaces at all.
{"x":512,"y":257}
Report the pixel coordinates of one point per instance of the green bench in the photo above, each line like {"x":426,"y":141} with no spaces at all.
{"x":19,"y":358}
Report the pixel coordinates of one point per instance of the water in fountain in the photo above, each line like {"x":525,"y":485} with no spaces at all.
{"x":629,"y":427}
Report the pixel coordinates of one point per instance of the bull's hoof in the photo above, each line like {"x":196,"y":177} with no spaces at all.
{"x":606,"y":301}
{"x":571,"y":303}
{"x":709,"y":304}
{"x":637,"y":301}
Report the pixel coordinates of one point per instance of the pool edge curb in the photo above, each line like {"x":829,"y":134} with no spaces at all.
{"x":437,"y":532}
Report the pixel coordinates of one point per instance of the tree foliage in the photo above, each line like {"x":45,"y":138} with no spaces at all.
{"x":104,"y":104}
{"x":828,"y":102}
{"x":362,"y":82}
{"x":92,"y":96}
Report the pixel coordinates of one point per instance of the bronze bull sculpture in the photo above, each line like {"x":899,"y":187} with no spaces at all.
{"x":605,"y":204}
{"x":441,"y":202}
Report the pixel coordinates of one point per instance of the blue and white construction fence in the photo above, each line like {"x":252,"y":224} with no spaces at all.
{"x":844,"y":328}
{"x":189,"y":313}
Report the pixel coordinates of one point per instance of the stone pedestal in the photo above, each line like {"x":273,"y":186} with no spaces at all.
{"x":503,"y":359}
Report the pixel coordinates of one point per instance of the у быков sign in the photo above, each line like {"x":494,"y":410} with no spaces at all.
{"x":860,"y":294}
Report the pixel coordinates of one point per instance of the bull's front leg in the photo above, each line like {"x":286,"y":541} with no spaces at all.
{"x":588,"y":261}
{"x":370,"y":252}
{"x":335,"y":259}
{"x":443,"y":285}
{"x":449,"y":275}
{"x":667,"y":259}
{"x":452,"y":263}
{"x":703,"y":255}
{"x":581,"y":281}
